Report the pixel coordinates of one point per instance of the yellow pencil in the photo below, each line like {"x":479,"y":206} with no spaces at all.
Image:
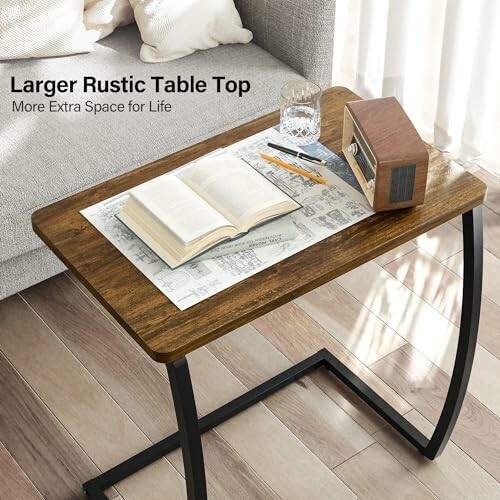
{"x":293,"y":168}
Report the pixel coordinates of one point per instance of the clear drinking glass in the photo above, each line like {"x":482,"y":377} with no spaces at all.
{"x":301,"y":112}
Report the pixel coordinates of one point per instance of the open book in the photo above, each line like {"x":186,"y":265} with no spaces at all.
{"x":184,"y":214}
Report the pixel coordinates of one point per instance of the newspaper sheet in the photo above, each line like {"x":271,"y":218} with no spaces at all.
{"x":326,"y":211}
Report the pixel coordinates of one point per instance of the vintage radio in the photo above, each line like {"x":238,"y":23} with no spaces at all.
{"x":385,"y":152}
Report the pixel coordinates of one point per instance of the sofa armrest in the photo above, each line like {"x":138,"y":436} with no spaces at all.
{"x":298,"y":32}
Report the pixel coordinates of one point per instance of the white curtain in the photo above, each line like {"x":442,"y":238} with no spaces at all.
{"x":440,"y":58}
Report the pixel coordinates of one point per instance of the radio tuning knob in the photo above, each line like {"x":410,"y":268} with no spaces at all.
{"x":353,"y":149}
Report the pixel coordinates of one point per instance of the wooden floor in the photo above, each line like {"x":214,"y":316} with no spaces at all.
{"x":77,"y":396}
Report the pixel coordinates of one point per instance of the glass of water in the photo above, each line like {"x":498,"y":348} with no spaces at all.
{"x":301,"y":112}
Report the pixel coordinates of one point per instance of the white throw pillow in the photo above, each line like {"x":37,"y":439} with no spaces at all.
{"x":176,"y":28}
{"x":42,"y":28}
{"x":104,"y":16}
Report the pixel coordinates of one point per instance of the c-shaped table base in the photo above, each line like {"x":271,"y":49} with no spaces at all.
{"x":190,"y":427}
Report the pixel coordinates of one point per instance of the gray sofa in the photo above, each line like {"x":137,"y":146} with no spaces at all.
{"x":46,"y":157}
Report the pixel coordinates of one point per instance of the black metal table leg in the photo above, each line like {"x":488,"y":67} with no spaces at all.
{"x":95,"y":494}
{"x":472,"y":226}
{"x":189,"y":430}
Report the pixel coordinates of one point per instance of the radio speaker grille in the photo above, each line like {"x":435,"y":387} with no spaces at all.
{"x":402,"y":183}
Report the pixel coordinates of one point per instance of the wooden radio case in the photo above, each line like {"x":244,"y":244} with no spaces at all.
{"x":385,"y":152}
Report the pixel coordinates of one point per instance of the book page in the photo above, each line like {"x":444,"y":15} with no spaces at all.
{"x":186,"y":215}
{"x":233,"y":187}
{"x":277,"y":231}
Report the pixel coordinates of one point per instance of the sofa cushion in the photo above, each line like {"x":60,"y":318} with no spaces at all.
{"x":42,"y":28}
{"x":47,"y":156}
{"x":25,"y":270}
{"x":171,"y":29}
{"x":104,"y":16}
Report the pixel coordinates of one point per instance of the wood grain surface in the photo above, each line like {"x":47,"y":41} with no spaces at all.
{"x":37,"y":441}
{"x":425,"y":386}
{"x":454,"y":476}
{"x":374,"y":474}
{"x":443,"y":291}
{"x":166,"y":333}
{"x":228,"y":475}
{"x":297,"y":336}
{"x":421,"y":326}
{"x":15,"y":483}
{"x":352,"y":324}
{"x":491,"y":273}
{"x":306,"y":410}
{"x":64,"y":384}
{"x":261,"y":438}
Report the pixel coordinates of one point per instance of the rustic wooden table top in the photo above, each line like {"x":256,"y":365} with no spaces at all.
{"x":165,"y":332}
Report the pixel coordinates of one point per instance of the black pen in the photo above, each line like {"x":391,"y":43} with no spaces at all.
{"x":297,"y":154}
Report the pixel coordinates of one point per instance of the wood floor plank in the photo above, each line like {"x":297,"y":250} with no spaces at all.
{"x":493,"y":195}
{"x":15,"y":483}
{"x":261,"y":439}
{"x":107,"y":353}
{"x":403,"y":249}
{"x":98,"y":424}
{"x":41,"y":446}
{"x":422,"y":326}
{"x":228,"y":476}
{"x":431,"y":281}
{"x":101,"y":309}
{"x":159,"y":367}
{"x":456,"y":222}
{"x":442,"y":288}
{"x":129,"y":376}
{"x":297,"y":336}
{"x":491,"y":230}
{"x":352,"y":324}
{"x":453,"y":476}
{"x":308,"y":412}
{"x":270,"y":454}
{"x":117,"y":356}
{"x":425,"y":386}
{"x":491,"y":224}
{"x":491,"y":273}
{"x":441,"y":242}
{"x":374,"y":474}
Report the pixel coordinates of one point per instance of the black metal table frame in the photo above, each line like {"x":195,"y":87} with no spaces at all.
{"x":191,"y":428}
